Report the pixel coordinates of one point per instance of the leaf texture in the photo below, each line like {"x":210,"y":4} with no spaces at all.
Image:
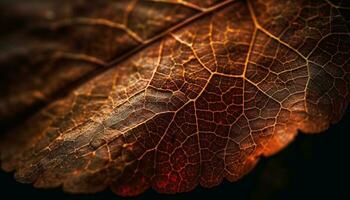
{"x":169,"y":94}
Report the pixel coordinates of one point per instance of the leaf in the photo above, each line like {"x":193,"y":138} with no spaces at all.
{"x":55,"y":48}
{"x":187,"y":93}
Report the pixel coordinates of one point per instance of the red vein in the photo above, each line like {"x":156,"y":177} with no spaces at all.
{"x":161,"y":35}
{"x":79,"y":57}
{"x":183,"y":3}
{"x":97,"y":22}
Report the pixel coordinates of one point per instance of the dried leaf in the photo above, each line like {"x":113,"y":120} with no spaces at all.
{"x":167,"y":94}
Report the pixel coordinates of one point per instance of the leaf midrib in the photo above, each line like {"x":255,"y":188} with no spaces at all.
{"x":114,"y":62}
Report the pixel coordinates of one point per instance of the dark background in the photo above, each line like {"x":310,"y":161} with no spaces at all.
{"x":313,"y":166}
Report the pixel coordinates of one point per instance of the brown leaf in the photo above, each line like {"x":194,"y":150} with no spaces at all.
{"x":167,"y":94}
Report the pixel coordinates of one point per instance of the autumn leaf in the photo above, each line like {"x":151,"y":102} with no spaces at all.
{"x":165,"y":94}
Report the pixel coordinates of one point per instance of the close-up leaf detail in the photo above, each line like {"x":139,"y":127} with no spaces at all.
{"x":165,"y":94}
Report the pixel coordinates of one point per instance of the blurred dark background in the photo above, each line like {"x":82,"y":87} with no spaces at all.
{"x":313,"y":166}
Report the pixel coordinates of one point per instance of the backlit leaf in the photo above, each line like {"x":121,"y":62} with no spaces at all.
{"x":166,"y":94}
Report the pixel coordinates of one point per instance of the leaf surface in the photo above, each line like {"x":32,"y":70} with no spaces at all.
{"x":172,"y":94}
